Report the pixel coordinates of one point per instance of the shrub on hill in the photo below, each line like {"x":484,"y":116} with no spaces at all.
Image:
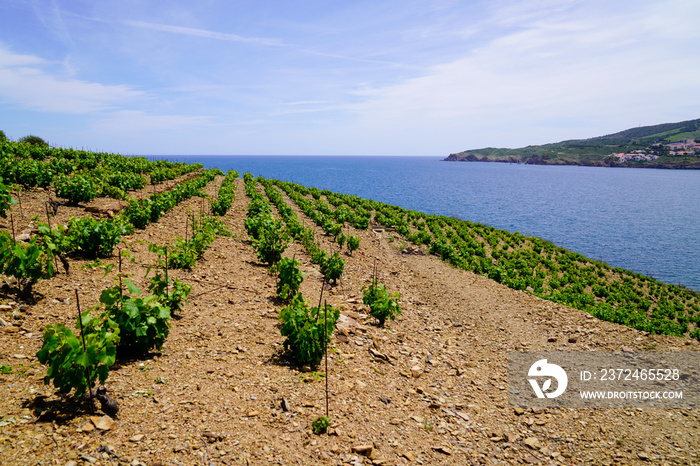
{"x":34,"y":140}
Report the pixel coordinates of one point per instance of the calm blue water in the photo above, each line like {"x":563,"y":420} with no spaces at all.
{"x":639,"y":219}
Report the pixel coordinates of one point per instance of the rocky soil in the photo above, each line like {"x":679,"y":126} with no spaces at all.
{"x":428,"y":388}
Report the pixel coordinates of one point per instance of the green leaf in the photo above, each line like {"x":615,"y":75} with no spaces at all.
{"x":133,"y":289}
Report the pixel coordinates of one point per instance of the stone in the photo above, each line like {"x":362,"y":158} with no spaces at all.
{"x":444,"y":450}
{"x":10,"y":329}
{"x":531,"y":460}
{"x":19,"y":356}
{"x":104,"y":422}
{"x":136,"y":438}
{"x":519,"y":411}
{"x":416,"y":371}
{"x":88,"y":427}
{"x":253,"y":413}
{"x":533,"y":442}
{"x":552,"y":339}
{"x":573,"y":339}
{"x":409,"y":456}
{"x":364,"y":450}
{"x":285,"y":405}
{"x":642,"y":455}
{"x":345,"y":323}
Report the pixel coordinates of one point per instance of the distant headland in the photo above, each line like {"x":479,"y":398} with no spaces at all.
{"x":668,"y":145}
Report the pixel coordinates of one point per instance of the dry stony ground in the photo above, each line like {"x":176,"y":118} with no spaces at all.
{"x":429,"y":388}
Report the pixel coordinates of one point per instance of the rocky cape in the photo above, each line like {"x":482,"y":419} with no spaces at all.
{"x":543,"y":160}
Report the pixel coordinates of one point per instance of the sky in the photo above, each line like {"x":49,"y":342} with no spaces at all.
{"x":352,"y":77}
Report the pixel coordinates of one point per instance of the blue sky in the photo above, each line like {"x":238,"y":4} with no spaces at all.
{"x":342,"y":77}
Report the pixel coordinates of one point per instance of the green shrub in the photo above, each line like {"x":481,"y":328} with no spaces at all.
{"x":320,"y":425}
{"x":259,"y":222}
{"x":304,"y":328}
{"x":6,"y":200}
{"x":69,"y":364}
{"x":171,"y":293}
{"x":353,"y":243}
{"x":34,"y":140}
{"x":144,"y":323}
{"x":382,"y":305}
{"x":332,"y":268}
{"x":289,"y":277}
{"x":138,"y":213}
{"x":271,"y":243}
{"x":77,"y":188}
{"x":183,"y":255}
{"x":89,"y":237}
{"x":27,"y":262}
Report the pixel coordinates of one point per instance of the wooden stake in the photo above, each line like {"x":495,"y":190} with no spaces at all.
{"x":325,"y":342}
{"x":19,"y":199}
{"x":166,"y":272}
{"x":121,"y":292}
{"x":82,"y":335}
{"x":48,"y":215}
{"x":12,"y":221}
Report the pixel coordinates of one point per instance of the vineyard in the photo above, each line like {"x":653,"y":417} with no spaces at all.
{"x":246,"y":320}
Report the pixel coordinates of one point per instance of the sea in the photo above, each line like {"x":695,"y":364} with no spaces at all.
{"x":644,"y":220}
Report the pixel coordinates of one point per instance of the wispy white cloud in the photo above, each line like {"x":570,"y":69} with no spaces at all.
{"x":574,"y":65}
{"x":206,"y":34}
{"x":50,"y":15}
{"x":139,"y":122}
{"x":26,"y":83}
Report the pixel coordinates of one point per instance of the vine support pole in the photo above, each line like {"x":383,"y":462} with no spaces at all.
{"x":121,"y":287}
{"x":12,"y":222}
{"x":48,"y":222}
{"x":48,"y":215}
{"x":166,"y":272}
{"x":82,"y":336}
{"x":19,"y":200}
{"x":325,"y":342}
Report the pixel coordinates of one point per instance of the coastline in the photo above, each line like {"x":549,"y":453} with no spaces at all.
{"x":536,"y":160}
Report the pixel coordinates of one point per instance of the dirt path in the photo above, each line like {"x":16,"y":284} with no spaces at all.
{"x":429,"y":388}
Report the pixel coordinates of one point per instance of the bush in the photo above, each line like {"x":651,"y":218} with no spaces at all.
{"x":34,"y":140}
{"x":28,"y":263}
{"x":138,"y":213}
{"x":6,"y":200}
{"x":89,"y":237}
{"x":382,"y":305}
{"x":77,"y":188}
{"x":171,"y":293}
{"x":304,"y":329}
{"x":259,"y":222}
{"x":353,"y":243}
{"x":271,"y":243}
{"x":332,"y":268}
{"x":289,"y":277}
{"x":69,"y":365}
{"x":183,"y":255}
{"x":144,"y":323}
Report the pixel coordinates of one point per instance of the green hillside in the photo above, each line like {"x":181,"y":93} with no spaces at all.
{"x":654,"y":140}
